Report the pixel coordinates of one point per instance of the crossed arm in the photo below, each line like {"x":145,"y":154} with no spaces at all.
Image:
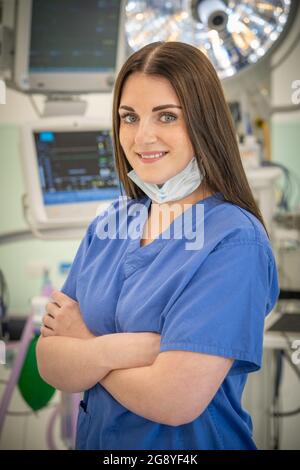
{"x":172,"y":387}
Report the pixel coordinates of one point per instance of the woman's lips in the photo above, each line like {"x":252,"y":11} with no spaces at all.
{"x":148,"y":159}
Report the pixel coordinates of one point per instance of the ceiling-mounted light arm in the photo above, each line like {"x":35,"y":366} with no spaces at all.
{"x":213,"y":14}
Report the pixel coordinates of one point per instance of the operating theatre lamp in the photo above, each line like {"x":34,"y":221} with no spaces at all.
{"x":233,"y":34}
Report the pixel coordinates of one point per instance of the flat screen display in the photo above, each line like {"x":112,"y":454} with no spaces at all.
{"x":76,"y":166}
{"x":74,"y":36}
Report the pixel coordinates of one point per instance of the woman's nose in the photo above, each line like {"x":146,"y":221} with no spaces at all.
{"x":145,"y":133}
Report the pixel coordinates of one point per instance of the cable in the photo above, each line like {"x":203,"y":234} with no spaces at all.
{"x":291,"y":185}
{"x":286,"y":414}
{"x":283,"y":204}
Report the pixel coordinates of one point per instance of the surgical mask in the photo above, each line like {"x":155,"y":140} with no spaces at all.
{"x":177,"y":187}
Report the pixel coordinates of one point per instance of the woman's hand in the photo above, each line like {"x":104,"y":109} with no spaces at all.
{"x":148,"y":345}
{"x":130,"y":350}
{"x":63,"y":318}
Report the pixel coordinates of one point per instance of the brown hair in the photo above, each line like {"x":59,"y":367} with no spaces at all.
{"x":206,"y":113}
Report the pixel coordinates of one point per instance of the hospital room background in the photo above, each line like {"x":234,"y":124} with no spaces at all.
{"x":57,"y":167}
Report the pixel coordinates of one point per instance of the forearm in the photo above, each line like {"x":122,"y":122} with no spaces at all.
{"x":74,"y":365}
{"x":69,"y":364}
{"x":143,"y":391}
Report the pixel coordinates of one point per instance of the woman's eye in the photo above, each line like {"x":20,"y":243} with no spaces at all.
{"x":168,"y":117}
{"x":132,"y":118}
{"x":128,"y":118}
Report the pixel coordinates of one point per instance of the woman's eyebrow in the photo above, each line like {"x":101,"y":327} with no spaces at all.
{"x":157,"y":108}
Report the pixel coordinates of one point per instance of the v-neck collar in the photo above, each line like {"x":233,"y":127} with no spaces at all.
{"x":138,"y":256}
{"x":135,"y":243}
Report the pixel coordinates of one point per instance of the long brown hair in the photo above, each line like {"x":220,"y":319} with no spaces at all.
{"x":206,"y":113}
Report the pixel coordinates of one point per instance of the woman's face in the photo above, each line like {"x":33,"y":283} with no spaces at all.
{"x":152,"y":125}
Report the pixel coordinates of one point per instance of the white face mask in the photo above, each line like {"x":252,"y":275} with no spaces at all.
{"x":177,"y":187}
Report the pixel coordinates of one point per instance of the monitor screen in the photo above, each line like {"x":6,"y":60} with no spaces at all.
{"x":69,"y":171}
{"x":74,"y":35}
{"x":68,"y":46}
{"x":76,"y":166}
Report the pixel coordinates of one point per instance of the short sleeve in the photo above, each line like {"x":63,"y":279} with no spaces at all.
{"x":69,"y":286}
{"x":222,"y":309}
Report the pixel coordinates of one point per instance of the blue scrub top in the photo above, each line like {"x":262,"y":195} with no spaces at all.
{"x":211,"y":300}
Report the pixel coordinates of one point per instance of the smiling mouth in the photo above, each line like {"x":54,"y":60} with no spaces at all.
{"x":151,"y":157}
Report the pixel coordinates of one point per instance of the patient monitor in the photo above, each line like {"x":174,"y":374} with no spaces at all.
{"x":69,"y":172}
{"x":68,"y":46}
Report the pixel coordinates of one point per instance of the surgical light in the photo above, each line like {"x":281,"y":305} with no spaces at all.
{"x":233,"y":34}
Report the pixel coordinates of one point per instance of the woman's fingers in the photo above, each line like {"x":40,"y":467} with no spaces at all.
{"x":51,"y":308}
{"x":45,"y":331}
{"x":48,"y":321}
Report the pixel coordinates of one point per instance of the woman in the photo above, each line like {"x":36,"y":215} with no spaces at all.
{"x":161,"y":331}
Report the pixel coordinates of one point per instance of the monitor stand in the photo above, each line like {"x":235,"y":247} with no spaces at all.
{"x":64,"y":105}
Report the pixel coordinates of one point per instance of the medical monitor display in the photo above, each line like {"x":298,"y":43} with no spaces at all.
{"x":68,"y":46}
{"x":72,"y":35}
{"x":76,"y":167}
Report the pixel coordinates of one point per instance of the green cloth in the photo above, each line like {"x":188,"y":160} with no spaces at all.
{"x":35,"y":391}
